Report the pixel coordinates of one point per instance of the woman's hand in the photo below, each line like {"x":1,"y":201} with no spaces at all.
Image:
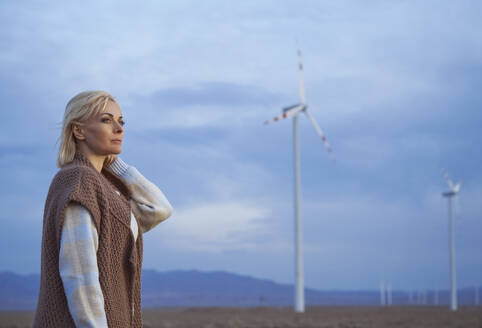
{"x":109,"y":160}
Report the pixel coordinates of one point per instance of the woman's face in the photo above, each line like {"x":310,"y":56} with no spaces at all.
{"x":103,"y":134}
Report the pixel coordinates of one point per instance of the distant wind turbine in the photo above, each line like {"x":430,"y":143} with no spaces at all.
{"x":389,"y":294}
{"x":292,"y":111}
{"x":454,"y":190}
{"x":382,"y":293}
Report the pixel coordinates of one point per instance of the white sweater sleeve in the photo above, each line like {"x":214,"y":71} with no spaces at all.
{"x":78,"y":268}
{"x":149,"y":204}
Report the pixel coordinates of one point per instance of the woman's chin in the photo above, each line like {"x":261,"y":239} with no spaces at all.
{"x":115,"y":151}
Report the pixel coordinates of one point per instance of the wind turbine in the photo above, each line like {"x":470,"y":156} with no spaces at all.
{"x":389,"y":294}
{"x":382,"y":293}
{"x":454,"y":190}
{"x":292,"y":111}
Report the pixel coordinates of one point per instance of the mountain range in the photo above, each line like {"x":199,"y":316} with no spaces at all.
{"x":195,"y":288}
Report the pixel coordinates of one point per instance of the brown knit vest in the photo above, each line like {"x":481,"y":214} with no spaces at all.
{"x":119,"y":258}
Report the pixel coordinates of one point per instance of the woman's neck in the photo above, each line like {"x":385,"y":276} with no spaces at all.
{"x":96,"y":160}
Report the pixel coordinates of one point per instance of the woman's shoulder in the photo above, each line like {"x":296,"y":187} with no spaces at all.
{"x":74,"y":171}
{"x":76,"y":183}
{"x":74,"y":176}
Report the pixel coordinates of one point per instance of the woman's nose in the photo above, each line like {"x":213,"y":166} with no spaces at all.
{"x":118,"y":128}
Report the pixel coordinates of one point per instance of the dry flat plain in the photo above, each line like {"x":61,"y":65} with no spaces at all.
{"x":323,"y":316}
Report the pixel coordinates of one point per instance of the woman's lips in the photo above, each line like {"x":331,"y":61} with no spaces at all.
{"x":117,"y":141}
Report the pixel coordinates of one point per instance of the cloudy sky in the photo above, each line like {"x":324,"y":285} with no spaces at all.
{"x":395,"y":85}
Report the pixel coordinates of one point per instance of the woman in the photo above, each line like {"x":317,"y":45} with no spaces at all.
{"x":96,"y":211}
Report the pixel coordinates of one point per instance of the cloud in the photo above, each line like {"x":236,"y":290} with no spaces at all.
{"x":216,"y":227}
{"x":208,"y":104}
{"x":224,"y":94}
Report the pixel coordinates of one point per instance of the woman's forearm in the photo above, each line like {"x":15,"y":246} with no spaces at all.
{"x":78,"y":268}
{"x":149,"y":204}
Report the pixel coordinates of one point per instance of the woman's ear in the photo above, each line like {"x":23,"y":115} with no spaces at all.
{"x":78,"y":131}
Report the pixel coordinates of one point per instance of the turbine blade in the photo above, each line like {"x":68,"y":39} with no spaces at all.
{"x":457,"y":187}
{"x":321,"y":134}
{"x":301,"y":80}
{"x":446,"y":176}
{"x":288,"y":112}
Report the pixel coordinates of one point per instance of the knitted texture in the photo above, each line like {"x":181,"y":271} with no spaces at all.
{"x":119,"y":257}
{"x":119,"y":167}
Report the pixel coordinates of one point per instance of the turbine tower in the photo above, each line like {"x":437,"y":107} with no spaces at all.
{"x":454,"y":190}
{"x":292,"y":111}
{"x":389,"y":294}
{"x":382,"y":293}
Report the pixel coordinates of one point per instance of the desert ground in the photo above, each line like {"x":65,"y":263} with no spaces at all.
{"x":321,"y":316}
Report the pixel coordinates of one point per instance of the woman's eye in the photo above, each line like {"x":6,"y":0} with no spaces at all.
{"x":122,"y":123}
{"x":106,"y":120}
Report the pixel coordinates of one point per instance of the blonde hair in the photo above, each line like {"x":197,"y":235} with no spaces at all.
{"x":79,"y":109}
